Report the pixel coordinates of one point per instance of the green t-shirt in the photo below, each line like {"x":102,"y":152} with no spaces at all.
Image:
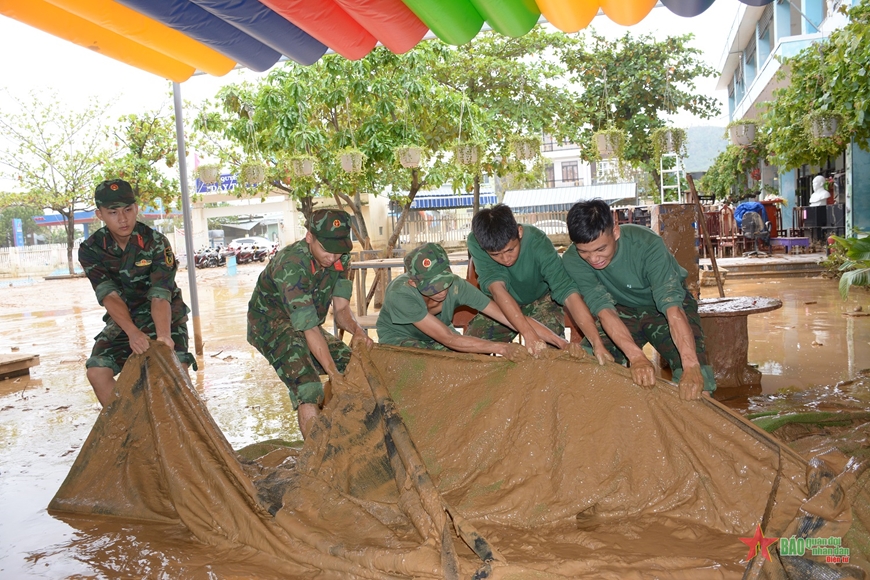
{"x":404,"y":305}
{"x":643,"y":272}
{"x":538,"y":269}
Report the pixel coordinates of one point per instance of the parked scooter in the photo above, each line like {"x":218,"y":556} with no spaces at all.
{"x":202,"y":258}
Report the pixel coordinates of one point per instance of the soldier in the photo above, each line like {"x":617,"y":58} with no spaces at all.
{"x":419,"y":306}
{"x":290,"y":303}
{"x":637,"y":289}
{"x":132,"y":269}
{"x":519,"y":267}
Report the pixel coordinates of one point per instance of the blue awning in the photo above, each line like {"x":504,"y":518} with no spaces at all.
{"x":438,"y":200}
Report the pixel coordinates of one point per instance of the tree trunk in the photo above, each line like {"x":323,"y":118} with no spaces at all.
{"x":69,"y":225}
{"x":394,"y":237}
{"x":475,"y":206}
{"x":306,"y":205}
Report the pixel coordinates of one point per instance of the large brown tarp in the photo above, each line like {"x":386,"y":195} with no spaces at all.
{"x":550,"y":468}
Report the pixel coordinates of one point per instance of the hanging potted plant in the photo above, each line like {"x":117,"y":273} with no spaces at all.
{"x":742,"y":132}
{"x":352,"y":160}
{"x":468,"y":153}
{"x":822,"y":124}
{"x":252,"y":172}
{"x":668,"y":140}
{"x":609,"y":143}
{"x":525,"y":146}
{"x":409,"y":155}
{"x":301,"y":166}
{"x":209,"y":173}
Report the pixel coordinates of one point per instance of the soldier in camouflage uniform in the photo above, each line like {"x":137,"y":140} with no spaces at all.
{"x":419,"y":306}
{"x":132,"y":269}
{"x":637,"y":289}
{"x":289,"y":305}
{"x":519,"y":267}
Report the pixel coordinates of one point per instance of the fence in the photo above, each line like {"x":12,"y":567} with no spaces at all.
{"x":451,"y":230}
{"x":35,"y":260}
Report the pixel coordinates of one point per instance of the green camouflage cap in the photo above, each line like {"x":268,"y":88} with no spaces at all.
{"x":429,"y":268}
{"x":331,"y":227}
{"x":114,"y":193}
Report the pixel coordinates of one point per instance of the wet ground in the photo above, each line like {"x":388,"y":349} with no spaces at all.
{"x":44,"y":419}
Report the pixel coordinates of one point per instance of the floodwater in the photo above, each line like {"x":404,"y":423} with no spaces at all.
{"x":44,"y":419}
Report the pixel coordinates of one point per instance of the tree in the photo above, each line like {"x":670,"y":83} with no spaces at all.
{"x":147,"y":150}
{"x":728,"y":178}
{"x":829,"y":77}
{"x":509,"y":86}
{"x":632,"y":84}
{"x":56,"y":157}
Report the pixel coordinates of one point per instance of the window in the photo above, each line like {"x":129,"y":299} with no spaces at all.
{"x":570,"y":173}
{"x":550,"y":175}
{"x":548,"y":143}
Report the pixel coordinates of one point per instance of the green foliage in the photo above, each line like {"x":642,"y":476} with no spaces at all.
{"x":56,"y":156}
{"x":855,"y":269}
{"x":828,"y":78}
{"x":668,"y":140}
{"x":25,"y":214}
{"x":147,"y":152}
{"x":631,"y":84}
{"x":728,"y":177}
{"x":609,"y":143}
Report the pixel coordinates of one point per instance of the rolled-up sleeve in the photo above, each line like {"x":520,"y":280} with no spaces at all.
{"x":97,"y":274}
{"x":663,"y":276}
{"x":163,"y":268}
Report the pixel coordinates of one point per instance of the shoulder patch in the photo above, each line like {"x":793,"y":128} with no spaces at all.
{"x":170,"y":258}
{"x":143,"y":262}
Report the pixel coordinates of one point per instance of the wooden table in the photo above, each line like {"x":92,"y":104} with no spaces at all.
{"x":15,"y":365}
{"x":363,"y":266}
{"x":724,"y":321}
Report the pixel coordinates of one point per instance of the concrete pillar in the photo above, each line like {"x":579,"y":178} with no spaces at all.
{"x":857,"y":189}
{"x":675,"y":223}
{"x":290,"y":222}
{"x":200,"y":226}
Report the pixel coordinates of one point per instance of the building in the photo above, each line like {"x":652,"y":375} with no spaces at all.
{"x":760,"y":38}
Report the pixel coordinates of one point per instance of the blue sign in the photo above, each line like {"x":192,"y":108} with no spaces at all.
{"x":18,"y":230}
{"x":227,"y":184}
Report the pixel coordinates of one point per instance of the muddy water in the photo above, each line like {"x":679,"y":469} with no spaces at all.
{"x":812,"y":340}
{"x":44,"y":419}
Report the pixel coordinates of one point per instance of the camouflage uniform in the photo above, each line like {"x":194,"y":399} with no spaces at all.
{"x":292,"y":295}
{"x":545,"y":310}
{"x":647,"y":324}
{"x":143,"y":270}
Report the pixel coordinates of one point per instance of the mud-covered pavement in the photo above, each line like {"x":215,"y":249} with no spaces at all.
{"x":45,"y":419}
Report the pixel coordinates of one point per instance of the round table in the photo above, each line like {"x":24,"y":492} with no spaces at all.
{"x":724,"y":321}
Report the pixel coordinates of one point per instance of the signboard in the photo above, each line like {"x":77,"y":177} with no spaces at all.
{"x":18,"y":232}
{"x":227,"y":184}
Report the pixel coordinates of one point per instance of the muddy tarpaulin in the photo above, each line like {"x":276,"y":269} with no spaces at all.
{"x":431,"y":465}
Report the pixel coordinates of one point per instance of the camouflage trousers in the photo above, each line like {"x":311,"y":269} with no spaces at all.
{"x":287,"y":351}
{"x":112,"y":346}
{"x":545,"y":310}
{"x":648,"y":325}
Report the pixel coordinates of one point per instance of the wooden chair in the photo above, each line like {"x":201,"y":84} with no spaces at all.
{"x":729,"y":234}
{"x":463,"y":315}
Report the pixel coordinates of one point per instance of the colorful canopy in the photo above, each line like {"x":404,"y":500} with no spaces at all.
{"x":174,"y":38}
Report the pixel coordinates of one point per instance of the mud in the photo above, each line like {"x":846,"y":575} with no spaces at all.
{"x":45,"y":419}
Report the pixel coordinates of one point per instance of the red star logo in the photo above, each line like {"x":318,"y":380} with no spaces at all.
{"x":758,"y":543}
{"x":427,"y":262}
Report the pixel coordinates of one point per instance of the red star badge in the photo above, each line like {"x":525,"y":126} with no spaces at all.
{"x":758,"y":543}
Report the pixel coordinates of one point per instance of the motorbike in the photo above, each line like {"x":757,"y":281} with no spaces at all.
{"x":225,"y":253}
{"x":203,"y":258}
{"x":272,"y":251}
{"x":245,"y":254}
